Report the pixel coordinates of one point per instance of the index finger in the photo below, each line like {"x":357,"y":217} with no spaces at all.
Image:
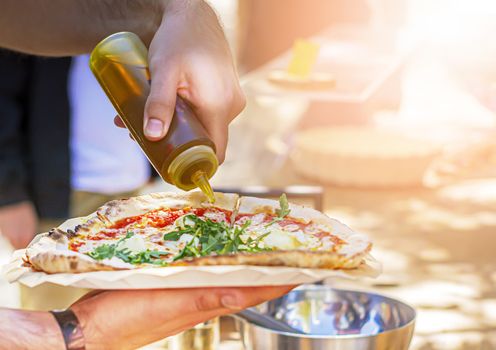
{"x":161,"y":101}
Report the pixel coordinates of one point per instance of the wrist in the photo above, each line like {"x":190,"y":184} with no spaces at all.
{"x":70,"y":328}
{"x":91,"y":335}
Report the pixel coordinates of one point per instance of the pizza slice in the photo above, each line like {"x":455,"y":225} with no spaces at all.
{"x":175,"y":230}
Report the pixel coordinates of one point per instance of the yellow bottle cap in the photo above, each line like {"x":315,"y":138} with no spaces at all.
{"x":193,"y":168}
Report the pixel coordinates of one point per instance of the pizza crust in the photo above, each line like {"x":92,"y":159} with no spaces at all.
{"x":57,"y":262}
{"x":289,"y":258}
{"x":49,"y":251}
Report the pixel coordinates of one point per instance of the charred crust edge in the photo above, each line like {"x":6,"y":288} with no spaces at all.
{"x":57,"y":234}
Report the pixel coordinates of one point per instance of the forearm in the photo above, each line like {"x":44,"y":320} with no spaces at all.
{"x":70,"y":27}
{"x":29,"y":330}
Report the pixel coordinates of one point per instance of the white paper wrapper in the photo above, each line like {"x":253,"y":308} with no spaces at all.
{"x":171,"y":277}
{"x":182,"y":277}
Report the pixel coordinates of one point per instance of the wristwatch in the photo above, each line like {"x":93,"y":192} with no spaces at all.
{"x":71,"y":329}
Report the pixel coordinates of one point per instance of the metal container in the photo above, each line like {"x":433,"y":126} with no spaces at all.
{"x":332,"y":319}
{"x":203,"y":336}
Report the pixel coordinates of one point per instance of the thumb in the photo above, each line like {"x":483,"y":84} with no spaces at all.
{"x":160,"y":104}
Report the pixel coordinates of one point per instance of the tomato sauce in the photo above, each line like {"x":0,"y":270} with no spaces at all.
{"x":241,"y":216}
{"x":165,"y":217}
{"x":75,"y":245}
{"x":200,"y":211}
{"x":107,"y":234}
{"x":294,"y":221}
{"x":158,"y":219}
{"x":125,"y":222}
{"x":291,"y":221}
{"x":336,"y":240}
{"x":269,"y":218}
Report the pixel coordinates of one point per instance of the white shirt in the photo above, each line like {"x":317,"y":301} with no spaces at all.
{"x":103,"y":157}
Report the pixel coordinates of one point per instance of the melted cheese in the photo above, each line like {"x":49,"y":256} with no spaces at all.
{"x":284,"y":238}
{"x":135,"y":244}
{"x":280,"y":239}
{"x":215,"y":216}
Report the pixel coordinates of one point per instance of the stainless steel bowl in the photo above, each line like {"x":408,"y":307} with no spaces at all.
{"x":332,"y":319}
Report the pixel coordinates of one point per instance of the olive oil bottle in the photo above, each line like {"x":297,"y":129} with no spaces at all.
{"x":185,"y":157}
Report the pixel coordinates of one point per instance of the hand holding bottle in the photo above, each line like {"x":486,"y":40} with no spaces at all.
{"x":189,"y":57}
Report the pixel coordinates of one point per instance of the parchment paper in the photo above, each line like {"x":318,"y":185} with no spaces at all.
{"x":182,"y":277}
{"x":171,"y":277}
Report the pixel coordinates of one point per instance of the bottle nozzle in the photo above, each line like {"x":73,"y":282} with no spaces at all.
{"x":193,"y":168}
{"x":200,"y":179}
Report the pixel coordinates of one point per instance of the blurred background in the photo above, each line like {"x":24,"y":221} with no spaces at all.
{"x":381,"y":113}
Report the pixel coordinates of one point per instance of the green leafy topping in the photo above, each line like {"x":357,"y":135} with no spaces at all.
{"x":173,"y":236}
{"x":108,"y":251}
{"x":146,"y":257}
{"x":283,"y":210}
{"x":209,"y":237}
{"x":105,"y":251}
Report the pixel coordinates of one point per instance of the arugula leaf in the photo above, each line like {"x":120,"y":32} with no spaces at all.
{"x":173,"y":236}
{"x":149,"y":257}
{"x":108,"y":251}
{"x":217,"y":237}
{"x":209,"y":237}
{"x":211,"y":244}
{"x":283,"y":210}
{"x":105,"y":251}
{"x":259,"y":238}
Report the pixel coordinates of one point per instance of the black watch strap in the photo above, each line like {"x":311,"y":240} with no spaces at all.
{"x":71,"y":329}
